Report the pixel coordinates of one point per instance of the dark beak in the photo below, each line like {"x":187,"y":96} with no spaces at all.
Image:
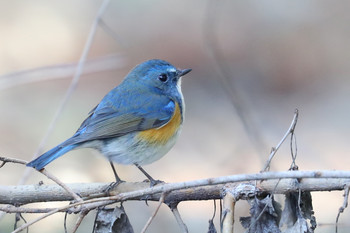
{"x":183,"y":72}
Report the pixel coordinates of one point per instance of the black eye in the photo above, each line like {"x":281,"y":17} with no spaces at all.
{"x":163,"y":78}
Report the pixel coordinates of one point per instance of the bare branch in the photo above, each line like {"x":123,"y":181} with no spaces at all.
{"x":11,"y":160}
{"x":178,"y":218}
{"x":24,"y":226}
{"x":44,"y":172}
{"x":161,"y":201}
{"x":60,"y":183}
{"x":12,"y":209}
{"x":289,"y":131}
{"x":323,"y":179}
{"x":233,"y":178}
{"x":82,"y":215}
{"x":25,"y":194}
{"x":343,"y":207}
{"x":97,"y":203}
{"x":228,"y":212}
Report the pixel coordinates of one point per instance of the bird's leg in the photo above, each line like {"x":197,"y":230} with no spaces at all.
{"x":152,"y":181}
{"x":117,"y":180}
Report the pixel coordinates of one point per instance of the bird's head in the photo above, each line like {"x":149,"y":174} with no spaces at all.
{"x":158,"y":75}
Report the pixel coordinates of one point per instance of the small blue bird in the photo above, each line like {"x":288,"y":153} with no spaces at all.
{"x":137,"y":122}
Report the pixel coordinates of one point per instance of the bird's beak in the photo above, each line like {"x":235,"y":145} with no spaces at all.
{"x":183,"y":72}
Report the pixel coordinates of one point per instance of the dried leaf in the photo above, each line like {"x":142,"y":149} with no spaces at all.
{"x":289,"y":213}
{"x":300,"y":226}
{"x":295,"y":218}
{"x":212,"y":228}
{"x":113,"y":221}
{"x":263,"y":216}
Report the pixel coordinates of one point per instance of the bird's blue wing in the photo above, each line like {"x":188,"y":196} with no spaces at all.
{"x":124,"y":113}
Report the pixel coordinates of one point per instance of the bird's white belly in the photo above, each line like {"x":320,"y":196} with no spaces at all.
{"x":130,"y":149}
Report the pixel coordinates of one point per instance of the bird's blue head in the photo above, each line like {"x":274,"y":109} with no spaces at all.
{"x":159,"y":76}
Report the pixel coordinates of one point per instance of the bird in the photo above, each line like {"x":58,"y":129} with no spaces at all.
{"x":136,"y":123}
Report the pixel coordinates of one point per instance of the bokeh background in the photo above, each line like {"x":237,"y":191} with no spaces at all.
{"x":275,"y":55}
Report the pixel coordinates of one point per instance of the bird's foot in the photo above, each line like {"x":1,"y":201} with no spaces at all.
{"x":154,"y":182}
{"x":111,"y":186}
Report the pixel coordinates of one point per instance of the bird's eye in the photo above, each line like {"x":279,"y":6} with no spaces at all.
{"x":163,"y":78}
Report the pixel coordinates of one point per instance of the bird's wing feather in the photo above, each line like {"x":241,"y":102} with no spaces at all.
{"x":117,"y":118}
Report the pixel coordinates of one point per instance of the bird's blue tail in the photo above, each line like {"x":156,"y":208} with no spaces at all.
{"x":46,"y":158}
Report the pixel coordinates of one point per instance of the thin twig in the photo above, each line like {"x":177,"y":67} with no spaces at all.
{"x":214,"y":212}
{"x":11,"y":160}
{"x":24,"y":226}
{"x":161,"y":201}
{"x":82,"y":215}
{"x":44,"y":172}
{"x":65,"y":222}
{"x":275,"y":149}
{"x":227,"y":80}
{"x":13,"y":209}
{"x":111,"y":33}
{"x":299,"y":201}
{"x":60,"y":183}
{"x":293,"y":149}
{"x":343,"y":207}
{"x":18,"y":217}
{"x":178,"y":218}
{"x":62,"y":209}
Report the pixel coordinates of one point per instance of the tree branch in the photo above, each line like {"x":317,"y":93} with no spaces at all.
{"x":160,"y":202}
{"x":205,"y":189}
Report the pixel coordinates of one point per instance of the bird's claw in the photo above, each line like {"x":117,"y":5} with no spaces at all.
{"x":111,"y":186}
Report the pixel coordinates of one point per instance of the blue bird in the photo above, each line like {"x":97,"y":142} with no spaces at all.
{"x":136,"y":123}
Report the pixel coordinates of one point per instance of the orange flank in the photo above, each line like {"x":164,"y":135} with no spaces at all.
{"x":164,"y":133}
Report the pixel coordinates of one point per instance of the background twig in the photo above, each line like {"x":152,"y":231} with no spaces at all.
{"x":72,"y":85}
{"x":94,"y":65}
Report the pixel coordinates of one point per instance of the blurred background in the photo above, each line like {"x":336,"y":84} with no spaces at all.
{"x":265,"y":58}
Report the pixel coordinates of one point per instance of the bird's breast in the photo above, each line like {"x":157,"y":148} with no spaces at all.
{"x":164,"y":133}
